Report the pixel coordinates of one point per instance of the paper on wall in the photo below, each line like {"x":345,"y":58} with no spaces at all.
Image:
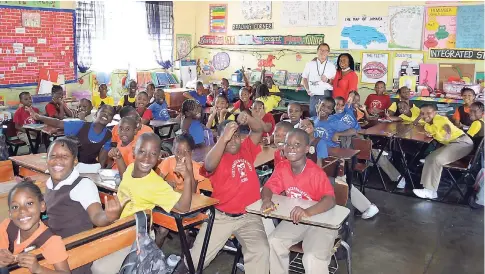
{"x":29,"y":49}
{"x":61,"y":79}
{"x":32,"y":59}
{"x":19,"y":30}
{"x":364,"y":32}
{"x":45,"y":87}
{"x":17,"y":51}
{"x":405,"y":27}
{"x":7,"y":51}
{"x":374,"y":67}
{"x":46,"y":64}
{"x":22,"y":65}
{"x":41,"y":41}
{"x":13,"y":68}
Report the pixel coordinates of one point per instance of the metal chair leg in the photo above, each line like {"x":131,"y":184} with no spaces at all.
{"x":348,"y":259}
{"x":237,"y":257}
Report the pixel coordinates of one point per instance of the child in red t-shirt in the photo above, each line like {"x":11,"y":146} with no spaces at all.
{"x":281,"y":129}
{"x":244,"y":101}
{"x":57,"y":108}
{"x":142,"y":101}
{"x":377,"y":103}
{"x":300,"y":178}
{"x":230,"y":167}
{"x":257,"y":110}
{"x":23,"y":117}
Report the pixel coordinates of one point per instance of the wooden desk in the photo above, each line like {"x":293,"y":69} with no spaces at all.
{"x":331,"y":219}
{"x":342,"y":153}
{"x":35,"y":162}
{"x":157,"y":125}
{"x":43,"y":133}
{"x":381,"y":129}
{"x":414,"y":133}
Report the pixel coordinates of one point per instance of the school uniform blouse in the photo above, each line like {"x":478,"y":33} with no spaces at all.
{"x":270,"y":102}
{"x":462,"y":114}
{"x":436,"y":129}
{"x":414,"y":114}
{"x":344,"y":84}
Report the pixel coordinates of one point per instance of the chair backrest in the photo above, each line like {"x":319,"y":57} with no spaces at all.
{"x":341,"y":190}
{"x":365,"y":147}
{"x":10,"y":131}
{"x":476,"y":157}
{"x":6,"y":171}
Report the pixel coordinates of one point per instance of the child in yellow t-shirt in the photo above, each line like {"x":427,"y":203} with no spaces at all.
{"x":144,"y":189}
{"x":270,"y":101}
{"x":407,"y":114}
{"x":268,"y":81}
{"x":456,"y":145}
{"x":103,"y":97}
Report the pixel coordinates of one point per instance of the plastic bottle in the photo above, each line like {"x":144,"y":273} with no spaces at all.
{"x":172,"y":262}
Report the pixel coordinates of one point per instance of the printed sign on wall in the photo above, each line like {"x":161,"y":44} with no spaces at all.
{"x":217,"y":18}
{"x":374,"y":67}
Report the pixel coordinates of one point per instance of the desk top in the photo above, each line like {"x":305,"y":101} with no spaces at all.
{"x":331,"y":219}
{"x":414,"y":133}
{"x":342,"y":153}
{"x":159,"y":123}
{"x":384,"y":129}
{"x":35,"y":162}
{"x":53,"y":131}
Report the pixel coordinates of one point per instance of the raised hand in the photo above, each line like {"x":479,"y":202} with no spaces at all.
{"x":29,"y":261}
{"x":229,"y":130}
{"x":114,"y":153}
{"x":242,"y":118}
{"x":181,"y":167}
{"x":297,"y":213}
{"x":113,"y":207}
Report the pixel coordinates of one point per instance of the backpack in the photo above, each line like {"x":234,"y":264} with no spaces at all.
{"x":145,"y":257}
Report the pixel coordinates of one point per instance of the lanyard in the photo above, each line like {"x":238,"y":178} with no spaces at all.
{"x":318,"y":67}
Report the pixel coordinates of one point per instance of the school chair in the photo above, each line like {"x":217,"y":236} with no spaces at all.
{"x":13,"y":142}
{"x":363,"y":160}
{"x":467,"y":168}
{"x":343,"y":239}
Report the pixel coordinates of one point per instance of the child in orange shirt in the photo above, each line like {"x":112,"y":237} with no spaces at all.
{"x":24,"y":231}
{"x":461,"y":117}
{"x":129,"y":111}
{"x":182,"y":147}
{"x":122,"y":154}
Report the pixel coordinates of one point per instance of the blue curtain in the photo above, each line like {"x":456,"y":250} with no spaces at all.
{"x":89,"y":25}
{"x":160,"y":30}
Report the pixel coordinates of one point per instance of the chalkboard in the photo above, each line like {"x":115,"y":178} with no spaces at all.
{"x":469,"y":27}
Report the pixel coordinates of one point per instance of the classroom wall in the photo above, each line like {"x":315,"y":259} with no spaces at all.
{"x":289,"y":62}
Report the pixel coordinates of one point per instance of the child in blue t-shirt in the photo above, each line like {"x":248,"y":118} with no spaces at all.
{"x":159,"y":107}
{"x":190,"y":124}
{"x":329,"y":127}
{"x":197,"y":94}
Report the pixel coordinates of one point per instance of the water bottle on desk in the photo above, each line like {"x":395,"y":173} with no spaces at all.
{"x":172,"y":262}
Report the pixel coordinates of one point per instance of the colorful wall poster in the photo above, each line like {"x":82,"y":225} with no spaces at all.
{"x":218,"y":18}
{"x":439,"y":28}
{"x":428,"y":75}
{"x":374,"y":67}
{"x":183,"y":43}
{"x":364,"y":33}
{"x":405,"y":27}
{"x":469,"y":27}
{"x":406,"y":64}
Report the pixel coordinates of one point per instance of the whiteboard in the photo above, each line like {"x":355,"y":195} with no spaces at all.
{"x":322,"y":13}
{"x":405,"y":27}
{"x":255,"y":10}
{"x":294,"y":13}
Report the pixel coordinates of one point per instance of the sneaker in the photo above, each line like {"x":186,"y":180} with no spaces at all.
{"x":229,"y":246}
{"x":402,"y":183}
{"x":425,"y":193}
{"x":370,"y":212}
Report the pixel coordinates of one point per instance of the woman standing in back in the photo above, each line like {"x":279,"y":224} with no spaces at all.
{"x":345,"y":79}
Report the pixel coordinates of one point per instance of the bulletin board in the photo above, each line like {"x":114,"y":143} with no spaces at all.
{"x":33,"y":38}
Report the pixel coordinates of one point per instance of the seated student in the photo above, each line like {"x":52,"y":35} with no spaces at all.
{"x":122,"y":154}
{"x":142,"y":188}
{"x":300,"y":178}
{"x":318,"y":147}
{"x":360,"y":111}
{"x":377,"y":103}
{"x":73,"y":203}
{"x":182,"y":148}
{"x":197,"y":94}
{"x":142,"y":108}
{"x":230,"y":167}
{"x":94,"y":138}
{"x":244,"y":101}
{"x":226,"y":90}
{"x":129,"y":111}
{"x":103,"y":97}
{"x":191,"y":124}
{"x":150,"y":90}
{"x":57,"y":108}
{"x":456,"y":145}
{"x":212,"y":94}
{"x":407,"y":114}
{"x":23,"y":116}
{"x":130,"y":98}
{"x":24,"y":231}
{"x":461,"y":117}
{"x":331,"y":128}
{"x":294,"y":114}
{"x":159,"y":107}
{"x":219,"y":113}
{"x":263,"y":95}
{"x":257,"y":110}
{"x":279,"y":135}
{"x":404,"y":96}
{"x":268,"y":80}
{"x":476,"y":129}
{"x":84,"y":110}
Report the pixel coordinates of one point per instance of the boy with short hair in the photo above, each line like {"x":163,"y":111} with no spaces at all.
{"x":300,"y":178}
{"x":456,"y":145}
{"x":57,"y":108}
{"x":294,"y":114}
{"x":130,"y":98}
{"x":197,"y":94}
{"x":129,"y":111}
{"x":159,"y":107}
{"x":103,"y":97}
{"x":279,"y":135}
{"x":230,"y":167}
{"x":377,"y":103}
{"x":122,"y":154}
{"x":23,"y":116}
{"x":226,"y":90}
{"x":84,"y":110}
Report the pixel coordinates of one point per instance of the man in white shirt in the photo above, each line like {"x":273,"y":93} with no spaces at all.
{"x":317,"y":77}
